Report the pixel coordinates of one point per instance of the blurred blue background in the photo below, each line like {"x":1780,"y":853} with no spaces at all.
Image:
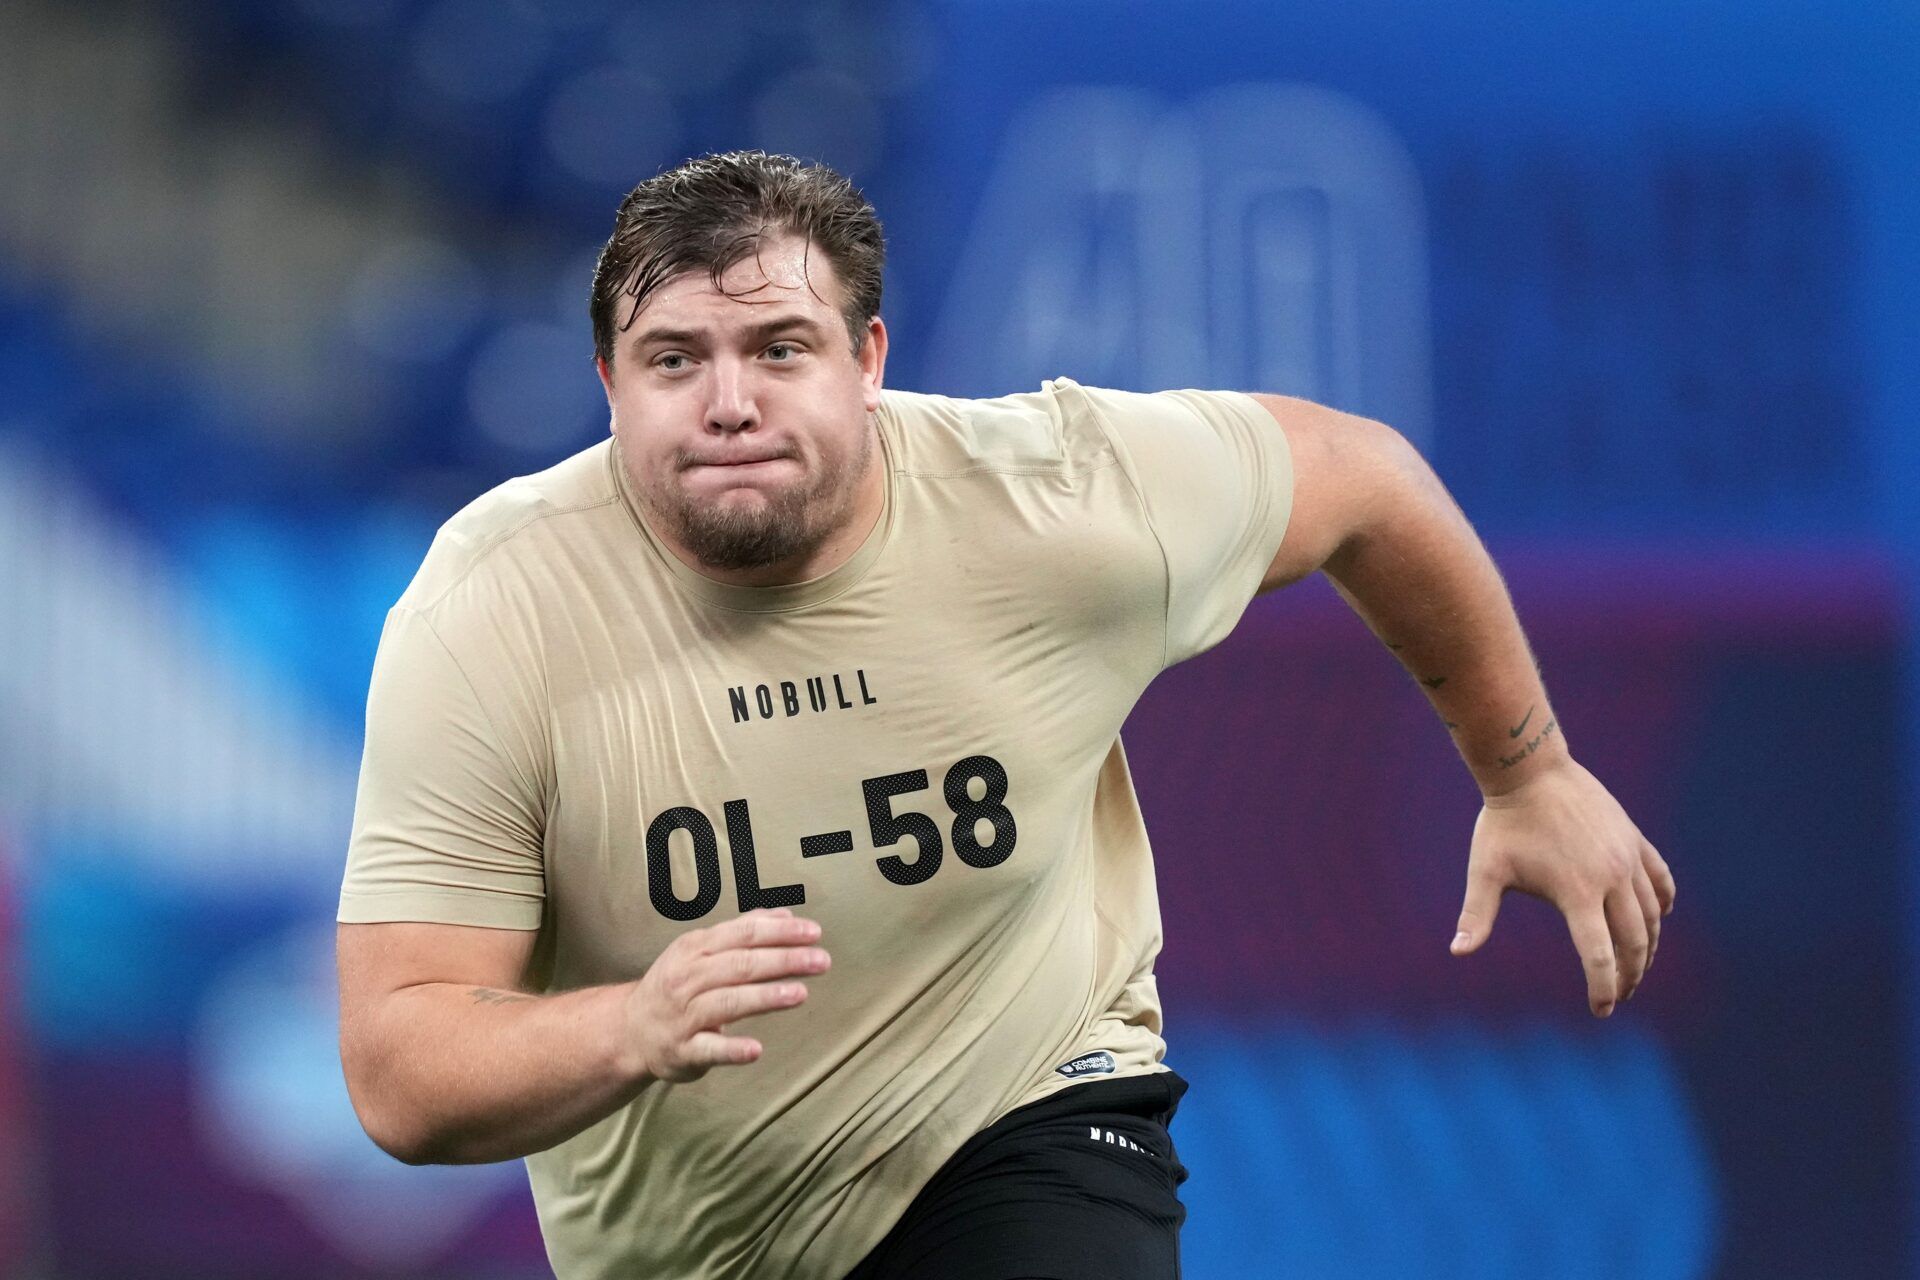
{"x":285,"y":282}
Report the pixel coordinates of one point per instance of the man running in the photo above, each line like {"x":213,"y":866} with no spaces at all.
{"x":794,"y":667}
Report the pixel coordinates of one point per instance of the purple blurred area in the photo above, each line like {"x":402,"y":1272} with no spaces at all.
{"x":283,"y":283}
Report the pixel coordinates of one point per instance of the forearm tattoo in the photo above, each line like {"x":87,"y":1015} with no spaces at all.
{"x":1533,"y":743}
{"x":487,"y":995}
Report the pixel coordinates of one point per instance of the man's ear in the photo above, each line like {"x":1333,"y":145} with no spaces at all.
{"x":606,"y":378}
{"x":873,"y":362}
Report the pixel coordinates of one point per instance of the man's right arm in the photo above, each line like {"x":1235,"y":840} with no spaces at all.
{"x":448,"y":1061}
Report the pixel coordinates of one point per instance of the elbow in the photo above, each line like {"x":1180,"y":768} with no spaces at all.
{"x":396,"y":1128}
{"x":422,"y":1148}
{"x":412,"y":1137}
{"x":1357,"y":482}
{"x":1394,"y":484}
{"x":405,"y":1149}
{"x":409,"y":1141}
{"x":392,"y":1132}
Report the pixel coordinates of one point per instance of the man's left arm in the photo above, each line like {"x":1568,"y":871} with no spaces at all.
{"x":1370,"y":514}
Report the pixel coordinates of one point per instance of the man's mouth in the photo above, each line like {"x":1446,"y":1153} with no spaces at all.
{"x":741,"y":460}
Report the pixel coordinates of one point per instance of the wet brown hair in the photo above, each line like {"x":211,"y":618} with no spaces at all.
{"x":709,"y":213}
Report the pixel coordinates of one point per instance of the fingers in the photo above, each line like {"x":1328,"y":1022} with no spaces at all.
{"x":708,"y":978}
{"x":1477,"y":916}
{"x":711,"y":1049}
{"x":1594,"y":942}
{"x":1656,"y":869}
{"x":713,"y":1010}
{"x":757,"y":964}
{"x":1643,"y":892}
{"x":775,"y":927}
{"x":1629,"y":938}
{"x":736,"y":968}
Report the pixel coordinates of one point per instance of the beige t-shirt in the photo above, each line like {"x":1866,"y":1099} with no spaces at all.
{"x":570,"y":730}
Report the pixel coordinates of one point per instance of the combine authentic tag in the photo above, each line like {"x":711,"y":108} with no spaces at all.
{"x":1087,"y":1064}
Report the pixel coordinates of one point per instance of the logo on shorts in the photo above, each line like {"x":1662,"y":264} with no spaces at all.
{"x":1087,"y":1064}
{"x":1113,"y":1139}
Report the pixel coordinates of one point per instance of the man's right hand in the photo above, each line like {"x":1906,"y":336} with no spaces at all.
{"x":706,"y":979}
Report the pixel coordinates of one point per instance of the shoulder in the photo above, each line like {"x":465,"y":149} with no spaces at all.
{"x":1300,"y":417}
{"x":1049,"y":431}
{"x":500,"y":531}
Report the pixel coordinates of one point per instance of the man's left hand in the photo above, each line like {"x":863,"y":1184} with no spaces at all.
{"x":1564,"y":838}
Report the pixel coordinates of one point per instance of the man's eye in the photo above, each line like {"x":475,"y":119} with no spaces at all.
{"x":780,"y":346}
{"x":662,"y":361}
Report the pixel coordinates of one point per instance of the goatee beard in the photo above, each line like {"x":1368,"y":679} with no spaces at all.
{"x":793,"y":521}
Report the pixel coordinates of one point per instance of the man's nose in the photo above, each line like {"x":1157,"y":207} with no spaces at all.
{"x":730,"y":398}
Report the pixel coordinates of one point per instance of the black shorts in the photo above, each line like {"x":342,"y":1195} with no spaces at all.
{"x":1081,"y":1185}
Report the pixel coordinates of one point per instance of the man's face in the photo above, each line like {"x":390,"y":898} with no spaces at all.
{"x":743,"y":421}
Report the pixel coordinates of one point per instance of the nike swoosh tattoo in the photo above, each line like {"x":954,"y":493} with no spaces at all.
{"x":1516,"y":730}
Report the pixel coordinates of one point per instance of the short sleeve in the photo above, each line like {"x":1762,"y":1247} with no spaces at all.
{"x":1215,"y":475}
{"x":447,"y":825}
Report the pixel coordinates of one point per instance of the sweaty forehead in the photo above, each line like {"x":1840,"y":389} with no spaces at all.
{"x":778,"y":263}
{"x":780,"y":273}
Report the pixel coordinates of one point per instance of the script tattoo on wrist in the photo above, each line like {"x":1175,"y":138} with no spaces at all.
{"x":488,"y":995}
{"x":1533,"y":743}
